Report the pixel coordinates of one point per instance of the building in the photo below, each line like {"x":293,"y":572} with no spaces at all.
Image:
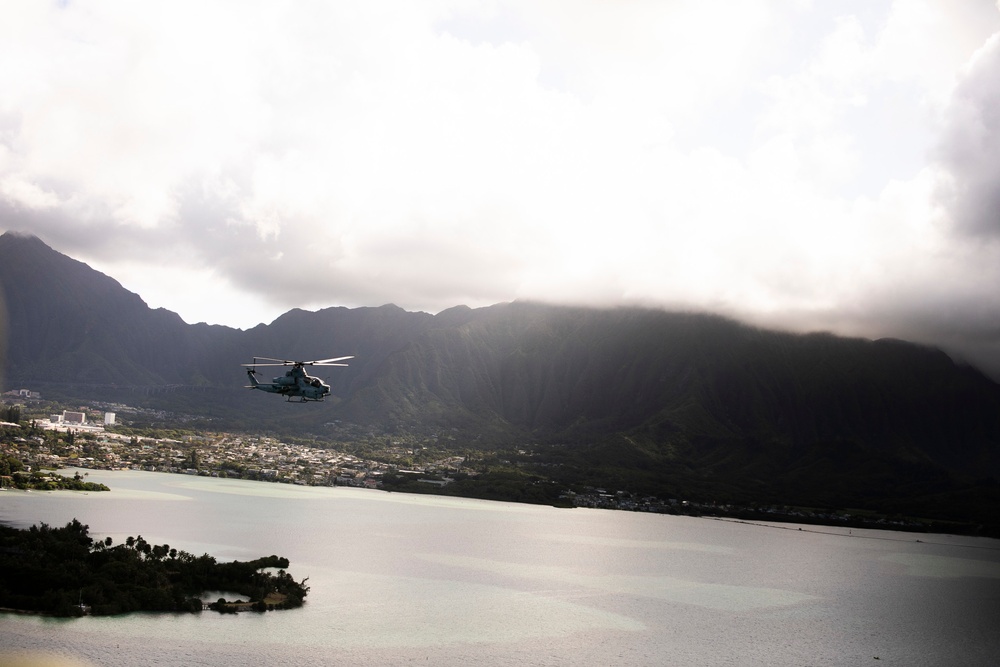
{"x":109,"y":419}
{"x":69,"y":417}
{"x":22,"y":393}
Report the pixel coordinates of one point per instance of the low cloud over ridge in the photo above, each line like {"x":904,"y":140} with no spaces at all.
{"x":810,"y":167}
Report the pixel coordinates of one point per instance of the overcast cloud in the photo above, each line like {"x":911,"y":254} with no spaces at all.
{"x":812,"y":165}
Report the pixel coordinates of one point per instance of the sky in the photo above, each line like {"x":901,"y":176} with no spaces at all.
{"x":813,"y":166}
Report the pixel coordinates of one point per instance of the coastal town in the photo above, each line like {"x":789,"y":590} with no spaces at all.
{"x":95,"y":437}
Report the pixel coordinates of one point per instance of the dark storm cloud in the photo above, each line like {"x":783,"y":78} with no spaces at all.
{"x":61,"y":229}
{"x":970,"y":146}
{"x":320,"y":262}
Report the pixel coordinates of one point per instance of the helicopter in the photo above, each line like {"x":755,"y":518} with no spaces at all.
{"x":295,"y":381}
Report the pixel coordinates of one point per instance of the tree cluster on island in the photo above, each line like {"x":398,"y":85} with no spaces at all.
{"x":65,"y":572}
{"x":13,"y":476}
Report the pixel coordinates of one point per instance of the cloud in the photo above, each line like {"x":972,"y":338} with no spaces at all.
{"x":970,"y":143}
{"x":798,"y":164}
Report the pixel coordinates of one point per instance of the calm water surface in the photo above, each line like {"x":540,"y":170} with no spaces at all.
{"x":399,"y":579}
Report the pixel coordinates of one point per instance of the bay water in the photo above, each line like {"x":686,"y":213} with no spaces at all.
{"x":399,"y":579}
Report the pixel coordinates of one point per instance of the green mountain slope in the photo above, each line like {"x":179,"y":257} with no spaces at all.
{"x":658,"y":400}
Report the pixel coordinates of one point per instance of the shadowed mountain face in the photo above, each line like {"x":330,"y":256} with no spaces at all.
{"x":67,"y":321}
{"x":647,"y":391}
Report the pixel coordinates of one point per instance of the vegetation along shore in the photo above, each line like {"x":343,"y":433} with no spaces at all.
{"x":66,"y":572}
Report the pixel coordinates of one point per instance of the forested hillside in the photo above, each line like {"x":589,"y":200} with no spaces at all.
{"x":657,"y":399}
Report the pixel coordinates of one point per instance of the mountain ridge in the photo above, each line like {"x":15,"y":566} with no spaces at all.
{"x":666,"y":397}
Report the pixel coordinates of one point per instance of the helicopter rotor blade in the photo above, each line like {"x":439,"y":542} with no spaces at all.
{"x":288,"y":362}
{"x":329,"y":362}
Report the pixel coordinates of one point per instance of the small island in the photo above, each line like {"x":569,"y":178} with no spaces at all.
{"x":65,"y":572}
{"x":49,"y":481}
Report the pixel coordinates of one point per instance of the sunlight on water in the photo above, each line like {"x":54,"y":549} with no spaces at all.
{"x":125,"y":479}
{"x":488,"y":613}
{"x":616,"y":543}
{"x":104,"y":496}
{"x":420,"y":500}
{"x":710,"y":596}
{"x":923,"y":565}
{"x":384,"y":612}
{"x":398,"y":579}
{"x":135,"y":494}
{"x":239,"y":487}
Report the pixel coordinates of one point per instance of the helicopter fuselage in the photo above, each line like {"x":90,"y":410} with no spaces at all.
{"x":294,"y":383}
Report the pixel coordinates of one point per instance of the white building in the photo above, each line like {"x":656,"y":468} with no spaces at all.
{"x":109,"y":419}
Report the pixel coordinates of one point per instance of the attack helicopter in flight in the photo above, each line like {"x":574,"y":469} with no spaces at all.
{"x":295,"y":382}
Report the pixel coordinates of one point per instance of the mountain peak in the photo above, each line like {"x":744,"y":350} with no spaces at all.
{"x":663,"y":399}
{"x":18,"y":234}
{"x":16,"y":237}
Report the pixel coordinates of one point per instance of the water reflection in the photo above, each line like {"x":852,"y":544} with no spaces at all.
{"x":683,"y":591}
{"x":398,"y":578}
{"x":948,"y":567}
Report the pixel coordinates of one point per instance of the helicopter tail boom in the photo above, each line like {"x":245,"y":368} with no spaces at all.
{"x":254,"y":383}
